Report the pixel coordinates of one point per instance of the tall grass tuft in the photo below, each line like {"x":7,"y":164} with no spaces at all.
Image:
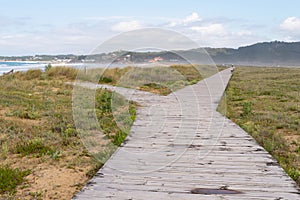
{"x":10,"y":178}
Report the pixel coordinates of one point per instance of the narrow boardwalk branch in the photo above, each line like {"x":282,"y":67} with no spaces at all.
{"x":180,"y":145}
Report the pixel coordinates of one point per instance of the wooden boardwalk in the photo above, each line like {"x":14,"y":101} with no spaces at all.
{"x":179,"y":143}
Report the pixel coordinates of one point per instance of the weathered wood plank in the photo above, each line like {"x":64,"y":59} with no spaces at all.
{"x":178,"y":143}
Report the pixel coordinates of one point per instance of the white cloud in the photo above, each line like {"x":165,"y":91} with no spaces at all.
{"x":211,"y":29}
{"x":83,"y":36}
{"x":114,"y":17}
{"x":244,"y":33}
{"x":290,"y":29}
{"x":291,"y":24}
{"x":210,"y":35}
{"x":145,"y":39}
{"x":126,"y":26}
{"x":221,"y":35}
{"x":194,"y":17}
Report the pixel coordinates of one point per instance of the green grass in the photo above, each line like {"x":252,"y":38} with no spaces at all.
{"x":33,"y":147}
{"x":10,"y":179}
{"x":115,"y":118}
{"x":265,"y":103}
{"x":156,"y":88}
{"x":27,"y":113}
{"x":67,"y":72}
{"x":160,"y":79}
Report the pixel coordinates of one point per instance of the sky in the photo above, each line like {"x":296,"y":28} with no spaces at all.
{"x":33,"y":27}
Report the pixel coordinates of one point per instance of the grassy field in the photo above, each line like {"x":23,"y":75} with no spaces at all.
{"x":265,"y":102}
{"x":42,"y":155}
{"x":159,"y":80}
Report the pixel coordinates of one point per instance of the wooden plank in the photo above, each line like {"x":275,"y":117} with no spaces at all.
{"x":179,"y":142}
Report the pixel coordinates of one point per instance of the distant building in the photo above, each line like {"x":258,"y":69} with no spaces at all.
{"x":156,"y":59}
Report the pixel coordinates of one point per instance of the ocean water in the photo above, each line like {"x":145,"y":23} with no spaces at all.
{"x":24,"y":66}
{"x":20,"y":66}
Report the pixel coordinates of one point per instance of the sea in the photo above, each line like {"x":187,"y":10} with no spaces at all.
{"x":20,"y":66}
{"x":27,"y":65}
{"x":7,"y":66}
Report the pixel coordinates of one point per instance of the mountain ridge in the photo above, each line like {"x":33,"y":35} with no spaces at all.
{"x":275,"y":53}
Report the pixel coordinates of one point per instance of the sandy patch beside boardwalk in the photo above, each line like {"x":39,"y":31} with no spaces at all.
{"x":50,"y":179}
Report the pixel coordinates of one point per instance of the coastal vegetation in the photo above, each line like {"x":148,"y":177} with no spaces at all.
{"x":42,"y":155}
{"x":158,"y":79}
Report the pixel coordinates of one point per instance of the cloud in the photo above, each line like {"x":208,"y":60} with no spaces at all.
{"x":215,"y":32}
{"x":194,"y":17}
{"x":126,"y":26}
{"x":219,"y":35}
{"x":244,"y":33}
{"x":291,"y":24}
{"x":25,"y":36}
{"x":290,"y":29}
{"x":211,"y":29}
{"x":78,"y":38}
{"x":10,"y":21}
{"x":114,"y":17}
{"x":148,"y":38}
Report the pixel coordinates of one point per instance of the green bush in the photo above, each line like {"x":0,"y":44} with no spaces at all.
{"x":294,"y":174}
{"x":48,"y":67}
{"x":66,"y":72}
{"x":247,"y":108}
{"x":35,"y":146}
{"x":119,"y":138}
{"x":26,"y":114}
{"x":33,"y":74}
{"x":10,"y":179}
{"x":105,"y":79}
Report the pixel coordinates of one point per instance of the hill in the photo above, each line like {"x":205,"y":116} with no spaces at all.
{"x":267,"y":53}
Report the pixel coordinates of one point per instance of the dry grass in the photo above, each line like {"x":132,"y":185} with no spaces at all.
{"x":38,"y":135}
{"x":160,"y":79}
